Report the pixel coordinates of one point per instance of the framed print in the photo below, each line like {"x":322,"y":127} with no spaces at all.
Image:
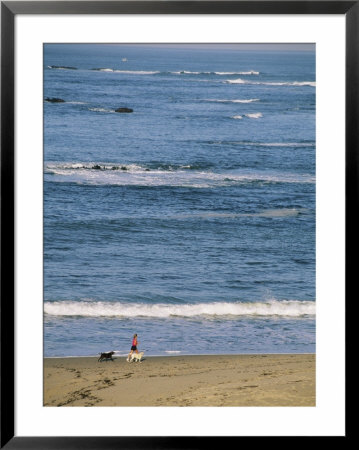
{"x":179,"y":185}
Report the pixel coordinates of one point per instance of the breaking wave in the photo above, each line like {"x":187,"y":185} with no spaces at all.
{"x":285,"y":308}
{"x":133,"y":72}
{"x":250,"y":100}
{"x":178,"y":72}
{"x":176,"y":176}
{"x":188,"y":72}
{"x":270,"y":83}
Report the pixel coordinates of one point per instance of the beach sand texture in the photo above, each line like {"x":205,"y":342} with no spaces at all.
{"x":208,"y":380}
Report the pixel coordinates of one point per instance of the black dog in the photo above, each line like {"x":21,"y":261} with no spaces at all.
{"x":105,"y":356}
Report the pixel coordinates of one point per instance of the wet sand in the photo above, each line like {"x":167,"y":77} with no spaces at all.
{"x":208,"y":380}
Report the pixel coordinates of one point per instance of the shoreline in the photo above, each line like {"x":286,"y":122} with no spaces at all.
{"x":124,"y":355}
{"x":182,"y":380}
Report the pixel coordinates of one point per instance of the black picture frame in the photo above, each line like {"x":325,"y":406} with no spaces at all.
{"x":9,"y":9}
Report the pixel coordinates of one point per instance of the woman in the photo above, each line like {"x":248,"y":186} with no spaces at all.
{"x":133,"y":347}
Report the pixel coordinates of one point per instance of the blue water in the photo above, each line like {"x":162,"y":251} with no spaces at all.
{"x":191,"y":220}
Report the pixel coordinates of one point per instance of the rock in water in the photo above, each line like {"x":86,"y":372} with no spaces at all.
{"x":54,"y":100}
{"x":124,"y":110}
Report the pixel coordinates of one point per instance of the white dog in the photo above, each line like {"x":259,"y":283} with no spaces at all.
{"x":135,"y":357}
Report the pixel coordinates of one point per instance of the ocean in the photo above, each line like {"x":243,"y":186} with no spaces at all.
{"x":190,"y":220}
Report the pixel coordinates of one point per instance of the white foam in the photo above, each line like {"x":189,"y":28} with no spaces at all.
{"x":101,"y":110}
{"x":66,"y":167}
{"x":138,"y":72}
{"x":188,"y":72}
{"x":250,"y":72}
{"x":134,"y":175}
{"x":267,"y":83}
{"x":227,"y":73}
{"x":303,"y":83}
{"x":237,"y":81}
{"x":237,"y":117}
{"x":134,"y":72}
{"x":250,"y":100}
{"x":294,"y":83}
{"x":287,"y":308}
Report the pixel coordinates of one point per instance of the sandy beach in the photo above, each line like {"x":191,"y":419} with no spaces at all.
{"x":208,"y":380}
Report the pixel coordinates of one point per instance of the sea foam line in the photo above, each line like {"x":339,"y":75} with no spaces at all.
{"x":285,"y":308}
{"x":153,"y":72}
{"x":133,"y":72}
{"x":268,"y":83}
{"x":179,"y":72}
{"x":250,"y":100}
{"x":137,"y":176}
{"x":188,"y":72}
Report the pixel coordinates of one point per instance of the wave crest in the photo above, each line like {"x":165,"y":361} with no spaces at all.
{"x":132,"y":72}
{"x":250,"y":100}
{"x":177,"y":176}
{"x":273,"y":83}
{"x":285,"y":308}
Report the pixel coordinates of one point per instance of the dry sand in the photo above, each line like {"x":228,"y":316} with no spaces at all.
{"x":211,"y":380}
